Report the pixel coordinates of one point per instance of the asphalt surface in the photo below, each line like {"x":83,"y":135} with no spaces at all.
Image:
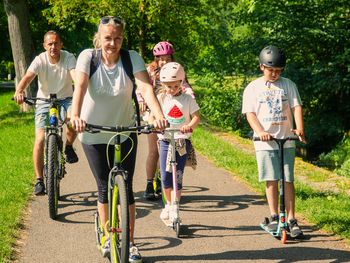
{"x":220,"y":215}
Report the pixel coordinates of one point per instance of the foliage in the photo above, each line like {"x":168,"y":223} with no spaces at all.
{"x":338,"y":158}
{"x":223,"y":38}
{"x":220,"y":101}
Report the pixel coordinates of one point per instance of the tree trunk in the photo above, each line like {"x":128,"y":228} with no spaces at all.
{"x":20,"y":37}
{"x":142,"y":31}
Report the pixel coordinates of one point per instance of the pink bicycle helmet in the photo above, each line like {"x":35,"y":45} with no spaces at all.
{"x":172,"y":71}
{"x":163,"y":48}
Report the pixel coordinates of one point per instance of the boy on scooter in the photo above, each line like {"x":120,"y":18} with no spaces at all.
{"x":271,"y":103}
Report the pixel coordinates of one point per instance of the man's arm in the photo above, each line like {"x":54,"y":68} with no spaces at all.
{"x":22,"y":85}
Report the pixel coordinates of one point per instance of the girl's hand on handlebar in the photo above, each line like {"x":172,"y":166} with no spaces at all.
{"x":264,"y":136}
{"x":186,"y":129}
{"x":78,"y":124}
{"x":300,"y":134}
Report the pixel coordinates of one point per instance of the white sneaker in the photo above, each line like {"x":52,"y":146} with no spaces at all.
{"x":134,"y":254}
{"x":164,"y":215}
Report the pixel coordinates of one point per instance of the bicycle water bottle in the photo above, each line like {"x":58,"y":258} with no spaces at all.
{"x":53,"y":116}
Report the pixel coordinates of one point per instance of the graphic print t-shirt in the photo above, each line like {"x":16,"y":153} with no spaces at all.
{"x":272,"y":102}
{"x":177,"y":110}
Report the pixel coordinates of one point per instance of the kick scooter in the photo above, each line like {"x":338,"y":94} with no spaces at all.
{"x":174,"y":220}
{"x":281,"y":232}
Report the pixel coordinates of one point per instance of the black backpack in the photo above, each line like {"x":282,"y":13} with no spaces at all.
{"x":127,"y":65}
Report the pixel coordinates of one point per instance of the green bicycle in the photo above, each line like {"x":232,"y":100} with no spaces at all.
{"x":118,"y":204}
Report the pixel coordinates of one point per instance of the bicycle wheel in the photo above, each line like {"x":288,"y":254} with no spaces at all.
{"x":52,"y":176}
{"x":119,"y":226}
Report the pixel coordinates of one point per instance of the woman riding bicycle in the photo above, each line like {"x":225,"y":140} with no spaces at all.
{"x":106,"y":99}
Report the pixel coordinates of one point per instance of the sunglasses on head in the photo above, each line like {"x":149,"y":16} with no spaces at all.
{"x":106,"y":19}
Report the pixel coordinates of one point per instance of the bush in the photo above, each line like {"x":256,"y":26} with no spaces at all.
{"x":220,"y":101}
{"x":339,"y":158}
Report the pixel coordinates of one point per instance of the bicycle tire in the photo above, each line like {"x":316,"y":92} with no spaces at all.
{"x":120,"y":234}
{"x":52,"y":176}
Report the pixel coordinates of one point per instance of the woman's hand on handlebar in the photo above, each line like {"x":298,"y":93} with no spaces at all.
{"x":160,"y":124}
{"x":77,"y":123}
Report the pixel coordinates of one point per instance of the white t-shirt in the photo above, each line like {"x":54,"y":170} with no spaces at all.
{"x":272,"y":102}
{"x":177,"y":110}
{"x":108,"y":100}
{"x":54,"y":78}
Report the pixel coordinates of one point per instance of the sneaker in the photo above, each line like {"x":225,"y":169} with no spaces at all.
{"x":71,"y":156}
{"x":273,"y":224}
{"x":134,"y":254}
{"x":105,"y":247}
{"x":164,"y":215}
{"x":149,"y":193}
{"x":294,"y":228}
{"x":39,"y":188}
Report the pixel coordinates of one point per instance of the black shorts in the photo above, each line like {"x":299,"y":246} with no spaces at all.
{"x":96,"y":156}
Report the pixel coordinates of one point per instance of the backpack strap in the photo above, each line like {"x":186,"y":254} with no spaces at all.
{"x":95,"y":61}
{"x":127,"y":65}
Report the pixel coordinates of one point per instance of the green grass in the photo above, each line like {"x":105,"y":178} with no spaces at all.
{"x":16,"y":169}
{"x":326,"y":210}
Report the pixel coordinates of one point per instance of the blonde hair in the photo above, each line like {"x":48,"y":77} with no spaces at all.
{"x":114,"y":21}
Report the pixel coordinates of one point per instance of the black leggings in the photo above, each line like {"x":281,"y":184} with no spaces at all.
{"x":96,"y":156}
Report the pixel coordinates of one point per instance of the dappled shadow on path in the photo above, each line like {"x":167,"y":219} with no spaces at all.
{"x":280,"y":254}
{"x":85,"y":200}
{"x":201,"y":203}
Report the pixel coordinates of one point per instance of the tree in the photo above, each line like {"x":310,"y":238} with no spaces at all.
{"x":20,"y":37}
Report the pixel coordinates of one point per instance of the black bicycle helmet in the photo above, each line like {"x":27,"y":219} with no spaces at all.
{"x":272,"y":56}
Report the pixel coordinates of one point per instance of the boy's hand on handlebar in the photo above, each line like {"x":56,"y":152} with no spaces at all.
{"x":78,"y":124}
{"x":300,"y":134}
{"x":264,"y":136}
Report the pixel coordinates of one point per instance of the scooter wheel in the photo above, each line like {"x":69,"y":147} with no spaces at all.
{"x":283,"y":236}
{"x":177,"y":227}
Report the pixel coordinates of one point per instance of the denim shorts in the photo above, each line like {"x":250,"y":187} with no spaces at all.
{"x":42,"y":112}
{"x":269,"y":165}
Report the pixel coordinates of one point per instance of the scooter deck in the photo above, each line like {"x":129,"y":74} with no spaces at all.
{"x":272,"y":233}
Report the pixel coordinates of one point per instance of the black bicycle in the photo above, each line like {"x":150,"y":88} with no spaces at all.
{"x":118,"y":204}
{"x":54,"y":159}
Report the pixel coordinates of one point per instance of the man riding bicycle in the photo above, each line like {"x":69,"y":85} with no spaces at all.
{"x":55,"y":69}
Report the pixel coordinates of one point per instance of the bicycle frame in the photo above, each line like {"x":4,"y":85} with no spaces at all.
{"x":117,"y":194}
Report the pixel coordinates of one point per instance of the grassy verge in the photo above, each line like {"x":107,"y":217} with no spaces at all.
{"x":16,"y":170}
{"x":326,"y":210}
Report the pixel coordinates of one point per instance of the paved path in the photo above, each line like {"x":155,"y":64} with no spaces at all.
{"x":220,"y":216}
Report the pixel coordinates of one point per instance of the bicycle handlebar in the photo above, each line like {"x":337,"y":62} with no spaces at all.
{"x":291,"y":138}
{"x":92,"y":128}
{"x":32,"y":100}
